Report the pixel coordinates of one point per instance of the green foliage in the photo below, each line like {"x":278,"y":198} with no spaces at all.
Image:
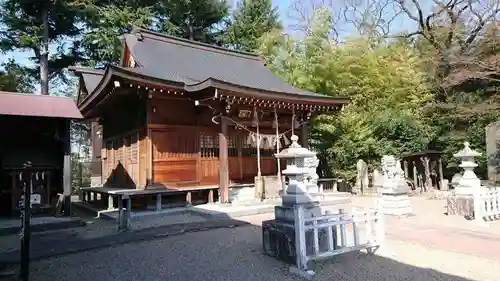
{"x":384,"y":81}
{"x":191,"y":19}
{"x":15,"y":78}
{"x":250,"y":21}
{"x":106,"y":23}
{"x":21,"y":30}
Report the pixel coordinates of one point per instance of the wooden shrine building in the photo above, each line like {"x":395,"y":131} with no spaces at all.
{"x":35,"y":130}
{"x":179,"y":114}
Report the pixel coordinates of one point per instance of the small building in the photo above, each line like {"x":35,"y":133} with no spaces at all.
{"x":182,"y":115}
{"x":35,"y":129}
{"x":426,"y":169}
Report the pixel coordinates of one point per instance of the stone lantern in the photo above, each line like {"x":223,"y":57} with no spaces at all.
{"x":461,"y":201}
{"x":469,"y":181}
{"x":299,"y":189}
{"x":278,"y":235}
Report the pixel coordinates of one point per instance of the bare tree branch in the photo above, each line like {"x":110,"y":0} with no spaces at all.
{"x":300,"y":12}
{"x":371,"y":17}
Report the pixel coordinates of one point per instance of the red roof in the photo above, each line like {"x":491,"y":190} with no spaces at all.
{"x":38,"y":105}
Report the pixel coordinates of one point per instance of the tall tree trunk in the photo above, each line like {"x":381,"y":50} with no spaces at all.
{"x":44,"y":58}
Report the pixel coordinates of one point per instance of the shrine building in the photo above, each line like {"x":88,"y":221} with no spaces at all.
{"x":185,"y":116}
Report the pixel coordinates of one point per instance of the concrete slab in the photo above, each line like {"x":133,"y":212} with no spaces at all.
{"x":233,"y":211}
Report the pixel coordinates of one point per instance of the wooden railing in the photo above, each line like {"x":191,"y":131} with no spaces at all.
{"x":487,"y":204}
{"x":366,"y":231}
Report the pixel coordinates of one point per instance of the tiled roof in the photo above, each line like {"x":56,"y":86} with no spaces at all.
{"x":38,"y":105}
{"x":176,"y":59}
{"x":91,"y":77}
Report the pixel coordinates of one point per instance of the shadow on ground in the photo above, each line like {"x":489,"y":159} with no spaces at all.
{"x":215,"y":248}
{"x":218,"y":254}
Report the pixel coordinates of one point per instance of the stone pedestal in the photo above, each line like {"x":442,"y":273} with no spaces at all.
{"x":396,"y":204}
{"x":462,"y":205}
{"x":395,"y":200}
{"x":273,"y":185}
{"x":95,"y":182}
{"x":278,"y":235}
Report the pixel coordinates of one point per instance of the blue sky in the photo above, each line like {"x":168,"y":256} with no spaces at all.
{"x":283,"y":6}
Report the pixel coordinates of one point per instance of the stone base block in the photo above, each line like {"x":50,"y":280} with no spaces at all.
{"x":295,"y":199}
{"x":242,"y":194}
{"x":458,"y":205}
{"x":273,"y":185}
{"x":396,"y":204}
{"x":307,"y":274}
{"x":95,"y":182}
{"x":286,"y":213}
{"x":278,"y":240}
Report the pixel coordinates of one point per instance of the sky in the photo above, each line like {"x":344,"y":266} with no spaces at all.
{"x":283,"y":7}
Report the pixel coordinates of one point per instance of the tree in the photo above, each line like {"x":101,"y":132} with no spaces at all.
{"x":106,"y":22}
{"x":14,"y":78}
{"x":249,"y":22}
{"x":458,"y":40}
{"x":32,"y":26}
{"x":387,"y":87}
{"x":452,"y":27}
{"x":191,"y":19}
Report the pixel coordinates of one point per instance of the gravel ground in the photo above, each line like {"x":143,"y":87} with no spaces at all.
{"x":101,"y":228}
{"x":235,"y":254}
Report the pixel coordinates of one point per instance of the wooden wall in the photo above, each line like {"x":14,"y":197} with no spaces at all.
{"x":124,"y":143}
{"x":122,"y":160}
{"x":185,"y":147}
{"x":170,"y":142}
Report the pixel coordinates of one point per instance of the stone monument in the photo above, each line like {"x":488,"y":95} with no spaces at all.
{"x":361,"y":177}
{"x":278,"y":235}
{"x":395,"y":200}
{"x":377,"y":181}
{"x":493,"y":151}
{"x":460,"y":202}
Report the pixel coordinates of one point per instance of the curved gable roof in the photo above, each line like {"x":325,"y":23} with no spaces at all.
{"x":173,"y":58}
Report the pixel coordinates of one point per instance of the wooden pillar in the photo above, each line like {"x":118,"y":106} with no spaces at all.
{"x":111,"y":203}
{"x":415,"y":175}
{"x":223,"y":162}
{"x":14,"y":193}
{"x":49,"y":192}
{"x":158,"y":202}
{"x":440,"y":164}
{"x":210,"y":196}
{"x":67,"y":172}
{"x":304,"y":135}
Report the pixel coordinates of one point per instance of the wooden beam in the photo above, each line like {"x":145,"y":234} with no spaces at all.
{"x":304,"y":135}
{"x":223,"y":162}
{"x":67,"y":171}
{"x":441,"y":177}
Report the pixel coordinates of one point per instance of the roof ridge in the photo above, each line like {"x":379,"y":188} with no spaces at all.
{"x":85,"y":69}
{"x":31,"y":94}
{"x":195,"y":44}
